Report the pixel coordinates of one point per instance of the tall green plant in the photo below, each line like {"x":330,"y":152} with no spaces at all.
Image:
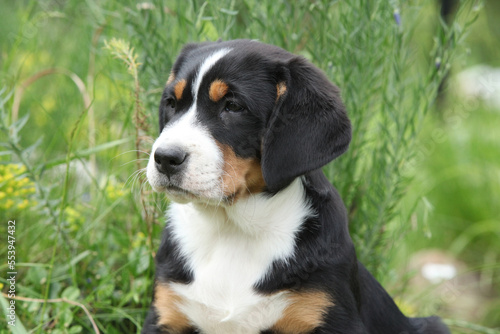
{"x":388,"y":94}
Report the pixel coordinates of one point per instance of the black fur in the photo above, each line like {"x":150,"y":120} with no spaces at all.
{"x":308,"y":128}
{"x":292,"y":135}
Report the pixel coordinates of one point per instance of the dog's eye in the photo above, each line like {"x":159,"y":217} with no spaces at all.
{"x":170,"y":103}
{"x":233,"y":107}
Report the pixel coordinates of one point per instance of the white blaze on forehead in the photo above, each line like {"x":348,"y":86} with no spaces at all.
{"x":188,"y":121}
{"x":206,"y":65}
{"x":204,"y":68}
{"x":202,"y":172}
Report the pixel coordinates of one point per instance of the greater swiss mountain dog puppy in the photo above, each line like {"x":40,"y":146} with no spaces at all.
{"x":257,"y":238}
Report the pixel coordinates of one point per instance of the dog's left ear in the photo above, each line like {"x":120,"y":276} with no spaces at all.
{"x":308,"y":127}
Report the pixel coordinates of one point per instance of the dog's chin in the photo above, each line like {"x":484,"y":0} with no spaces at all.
{"x":183,"y":196}
{"x":179,"y":195}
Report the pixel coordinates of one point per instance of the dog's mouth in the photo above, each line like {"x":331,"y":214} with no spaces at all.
{"x":191,"y":186}
{"x":183,"y":195}
{"x":177,"y":193}
{"x":175,"y":190}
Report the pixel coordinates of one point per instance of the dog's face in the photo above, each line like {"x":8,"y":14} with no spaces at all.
{"x":242,"y":117}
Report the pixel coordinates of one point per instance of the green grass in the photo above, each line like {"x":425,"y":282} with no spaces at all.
{"x":458,"y":176}
{"x":80,"y":84}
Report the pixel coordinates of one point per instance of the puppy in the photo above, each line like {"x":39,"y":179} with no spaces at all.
{"x":257,"y":238}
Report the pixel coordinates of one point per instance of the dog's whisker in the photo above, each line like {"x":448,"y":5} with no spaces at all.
{"x":130,"y":151}
{"x":135,"y":176}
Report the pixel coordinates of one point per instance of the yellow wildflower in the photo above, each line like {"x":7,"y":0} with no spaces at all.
{"x":8,"y":204}
{"x":23,"y":205}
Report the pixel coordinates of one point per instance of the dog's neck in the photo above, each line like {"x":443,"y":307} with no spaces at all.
{"x":255,"y":215}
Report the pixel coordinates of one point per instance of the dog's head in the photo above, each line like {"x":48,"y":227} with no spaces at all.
{"x":243,"y":117}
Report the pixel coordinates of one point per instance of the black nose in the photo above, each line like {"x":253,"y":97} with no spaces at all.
{"x":170,"y":160}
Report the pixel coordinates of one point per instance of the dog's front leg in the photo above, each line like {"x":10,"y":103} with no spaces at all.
{"x":153,"y":325}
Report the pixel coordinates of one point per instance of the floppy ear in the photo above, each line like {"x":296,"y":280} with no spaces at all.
{"x":308,"y":128}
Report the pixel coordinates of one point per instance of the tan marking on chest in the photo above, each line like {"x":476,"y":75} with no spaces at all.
{"x":242,"y":176}
{"x":305,"y":312}
{"x":179,"y":89}
{"x":167,"y":307}
{"x":218,"y":89}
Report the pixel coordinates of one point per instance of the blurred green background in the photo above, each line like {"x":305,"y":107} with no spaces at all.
{"x":80,"y":85}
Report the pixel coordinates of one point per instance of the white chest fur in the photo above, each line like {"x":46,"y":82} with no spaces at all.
{"x":231,"y":249}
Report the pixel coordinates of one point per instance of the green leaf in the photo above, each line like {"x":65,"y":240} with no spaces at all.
{"x":20,"y":123}
{"x":228,"y":11}
{"x":66,"y":317}
{"x":75,"y":329}
{"x":71,"y":293}
{"x":140,"y":259}
{"x":80,"y":257}
{"x":87,"y":152}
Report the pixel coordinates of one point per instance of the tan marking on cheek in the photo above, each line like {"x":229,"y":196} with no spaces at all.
{"x":217,"y":90}
{"x":179,"y":89}
{"x":171,"y":78}
{"x":280,"y":90}
{"x":241,"y":177}
{"x":167,"y":307}
{"x":304,"y":313}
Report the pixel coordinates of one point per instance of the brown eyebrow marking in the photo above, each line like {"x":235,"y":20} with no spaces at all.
{"x":217,"y":90}
{"x":179,"y":89}
{"x":280,"y":89}
{"x":171,"y":78}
